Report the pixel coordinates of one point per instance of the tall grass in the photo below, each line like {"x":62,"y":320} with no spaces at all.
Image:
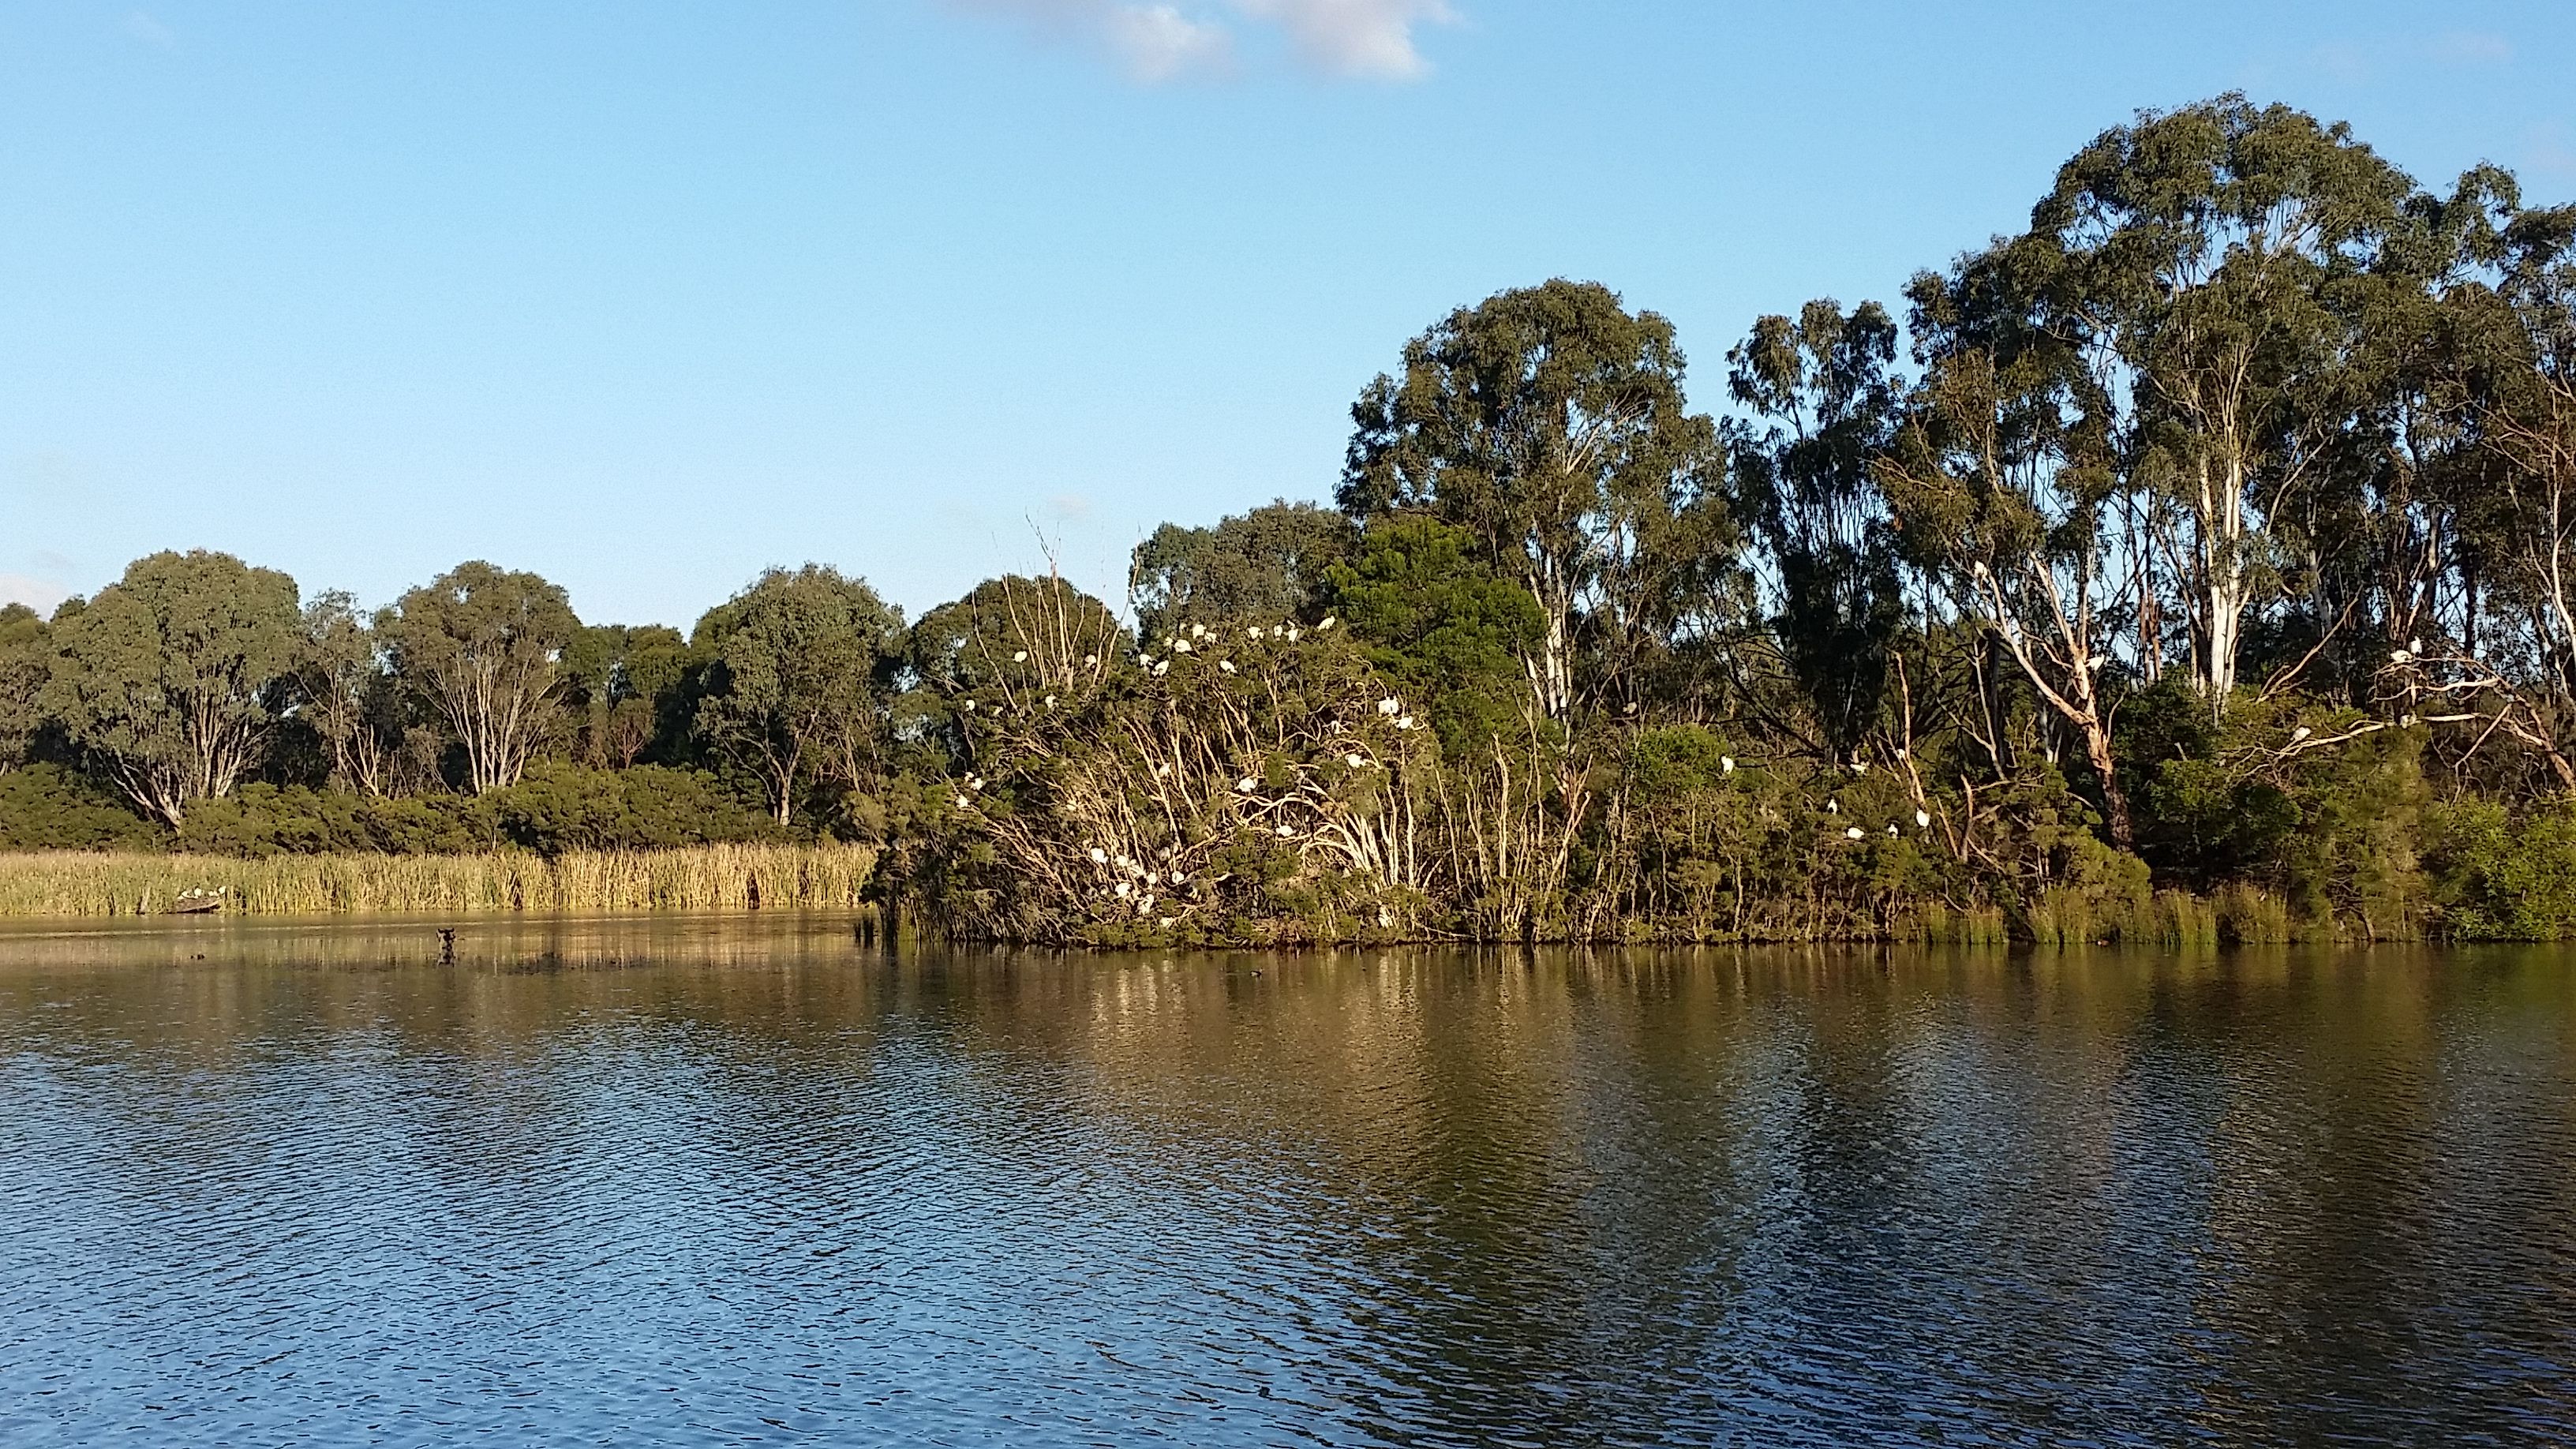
{"x":711,"y":877}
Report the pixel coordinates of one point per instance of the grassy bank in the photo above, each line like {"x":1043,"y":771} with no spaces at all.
{"x":712,"y":877}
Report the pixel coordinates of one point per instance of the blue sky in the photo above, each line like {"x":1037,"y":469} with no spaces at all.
{"x":647,"y":296}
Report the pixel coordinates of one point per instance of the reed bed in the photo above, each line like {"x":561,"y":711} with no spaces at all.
{"x":703,"y":878}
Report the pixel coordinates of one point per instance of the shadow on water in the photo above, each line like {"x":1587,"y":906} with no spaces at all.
{"x":744,"y":1179}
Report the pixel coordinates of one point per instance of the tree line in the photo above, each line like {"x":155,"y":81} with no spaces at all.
{"x":2198,"y":554}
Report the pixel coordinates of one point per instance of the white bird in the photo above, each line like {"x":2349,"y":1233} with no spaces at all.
{"x":1860,"y":767}
{"x":1050,"y":701}
{"x":1146,"y":904}
{"x":1226,"y":664}
{"x":2398,"y":656}
{"x":1900,"y":752}
{"x":961,"y":802}
{"x":1833,"y":807}
{"x":1167,"y":921}
{"x":1153,"y":877}
{"x":1162,"y":772}
{"x":1252,"y":632}
{"x":1405,"y":723}
{"x":1353,"y":760}
{"x":2414,"y":646}
{"x":2405,"y":719}
{"x":970,"y":706}
{"x":1180,"y":646}
{"x":1891,"y":829}
{"x":2301,"y":733}
{"x":1020,"y":658}
{"x":1125,"y":889}
{"x":1163,"y":668}
{"x":1329,"y":621}
{"x":1278,"y":631}
{"x":1179,"y":879}
{"x":1248,"y":784}
{"x":1853,"y":833}
{"x":1091,"y":661}
{"x":1726,"y":764}
{"x":1285,"y":832}
{"x":1198,"y":631}
{"x":1099,"y":856}
{"x":1388,"y":705}
{"x":1922,"y":819}
{"x":1293,"y":635}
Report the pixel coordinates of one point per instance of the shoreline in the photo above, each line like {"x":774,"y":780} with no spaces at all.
{"x":70,"y":885}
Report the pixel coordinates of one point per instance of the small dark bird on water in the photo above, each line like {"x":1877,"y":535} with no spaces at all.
{"x":447,"y":945}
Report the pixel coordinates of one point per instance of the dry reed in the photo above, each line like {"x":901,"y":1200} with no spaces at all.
{"x":713,"y":877}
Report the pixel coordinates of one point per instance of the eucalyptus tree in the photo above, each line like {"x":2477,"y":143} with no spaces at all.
{"x":1999,"y":480}
{"x":1550,"y":423}
{"x":345,"y":693}
{"x":173,"y":677}
{"x":1260,"y":566}
{"x":2514,"y":381}
{"x":2211,"y":265}
{"x":1822,"y":393}
{"x":645,"y":695}
{"x":793,"y":691}
{"x":482,"y":649}
{"x":22,"y":681}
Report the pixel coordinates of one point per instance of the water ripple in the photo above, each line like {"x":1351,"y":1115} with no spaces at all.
{"x":743,"y":1184}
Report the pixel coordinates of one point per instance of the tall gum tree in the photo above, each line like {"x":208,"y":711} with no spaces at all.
{"x":174,"y":676}
{"x":482,"y":648}
{"x":2206,"y":263}
{"x":22,"y":683}
{"x":794,"y":690}
{"x":1822,"y":394}
{"x":1550,"y":423}
{"x":1999,"y":480}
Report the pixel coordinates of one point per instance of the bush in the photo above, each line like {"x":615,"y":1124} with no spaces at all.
{"x":554,"y":809}
{"x":2499,"y":879}
{"x":46,"y":807}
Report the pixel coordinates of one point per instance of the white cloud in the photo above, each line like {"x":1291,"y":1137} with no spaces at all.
{"x":40,"y":595}
{"x":1157,"y":42}
{"x":1369,"y":39}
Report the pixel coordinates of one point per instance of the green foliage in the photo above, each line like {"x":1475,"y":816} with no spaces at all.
{"x":48,"y":807}
{"x":1260,"y":567}
{"x":1822,"y":386}
{"x":2498,"y":876}
{"x":1442,"y":627}
{"x":554,"y":809}
{"x":481,"y":649}
{"x":792,"y":695}
{"x":172,"y":678}
{"x":23,"y":667}
{"x":1549,"y":422}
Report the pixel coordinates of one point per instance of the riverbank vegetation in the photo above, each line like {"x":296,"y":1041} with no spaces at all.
{"x":2191,"y":564}
{"x":818,"y":876}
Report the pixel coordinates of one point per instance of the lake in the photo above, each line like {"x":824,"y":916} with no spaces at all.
{"x":741,"y":1181}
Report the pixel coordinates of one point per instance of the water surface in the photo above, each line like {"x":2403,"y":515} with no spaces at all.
{"x":741,"y":1181}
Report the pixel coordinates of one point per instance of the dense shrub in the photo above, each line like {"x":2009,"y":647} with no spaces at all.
{"x":47,"y":807}
{"x":554,"y":808}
